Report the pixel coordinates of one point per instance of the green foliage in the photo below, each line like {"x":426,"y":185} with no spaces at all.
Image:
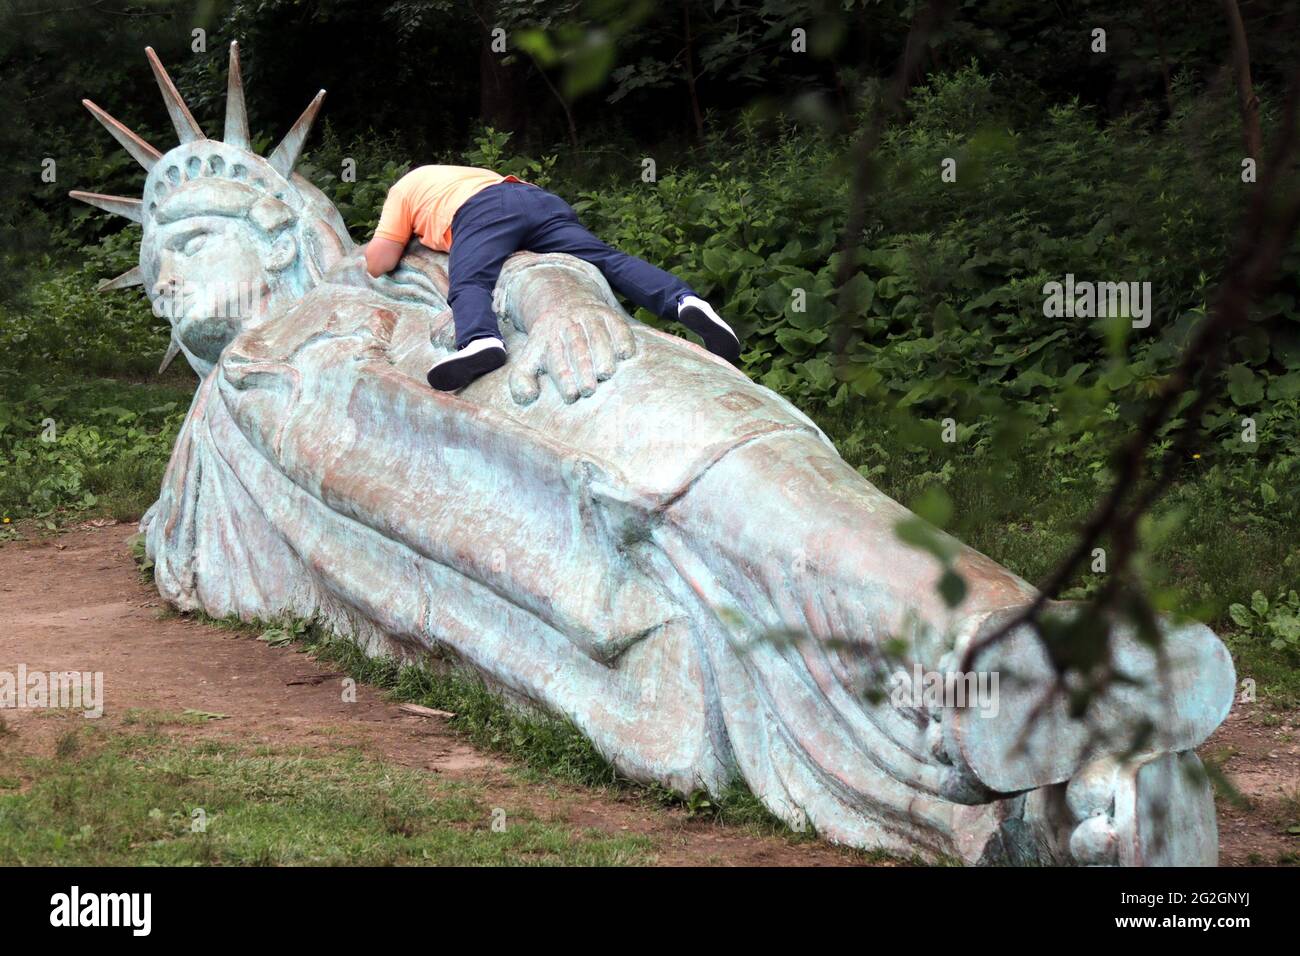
{"x":491,"y":152}
{"x":355,"y":175}
{"x":945,"y":310}
{"x":1277,"y":622}
{"x":65,"y":322}
{"x":70,"y":445}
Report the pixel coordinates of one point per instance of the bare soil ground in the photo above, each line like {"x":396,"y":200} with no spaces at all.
{"x":74,"y":601}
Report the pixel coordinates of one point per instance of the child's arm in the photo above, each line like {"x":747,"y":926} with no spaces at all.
{"x":395,"y":228}
{"x":382,"y":255}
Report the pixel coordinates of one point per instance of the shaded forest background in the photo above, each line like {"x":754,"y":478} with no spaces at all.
{"x":919,"y":341}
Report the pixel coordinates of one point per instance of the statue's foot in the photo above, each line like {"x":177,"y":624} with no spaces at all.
{"x":1153,"y":810}
{"x":460,"y":368}
{"x":1167,"y":703}
{"x":719,"y":338}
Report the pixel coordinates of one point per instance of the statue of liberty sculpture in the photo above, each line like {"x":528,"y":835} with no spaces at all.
{"x":612,"y":527}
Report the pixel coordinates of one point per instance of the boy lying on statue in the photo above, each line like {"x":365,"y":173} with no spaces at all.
{"x":492,"y":217}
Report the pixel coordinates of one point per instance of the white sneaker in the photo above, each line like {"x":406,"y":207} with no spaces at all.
{"x":460,"y":368}
{"x":698,"y":316}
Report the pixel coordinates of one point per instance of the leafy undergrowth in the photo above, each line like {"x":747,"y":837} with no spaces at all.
{"x":73,"y":447}
{"x":109,"y":799}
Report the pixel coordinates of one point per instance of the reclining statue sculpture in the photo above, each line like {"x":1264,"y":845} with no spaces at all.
{"x":611,"y":528}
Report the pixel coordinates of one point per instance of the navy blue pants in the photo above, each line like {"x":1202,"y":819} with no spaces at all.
{"x":507,"y":217}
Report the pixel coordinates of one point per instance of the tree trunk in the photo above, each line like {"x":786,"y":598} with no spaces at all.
{"x":499,"y":103}
{"x":564,"y":104}
{"x":1246,"y":98}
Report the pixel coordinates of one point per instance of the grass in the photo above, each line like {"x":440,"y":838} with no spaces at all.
{"x":110,"y":799}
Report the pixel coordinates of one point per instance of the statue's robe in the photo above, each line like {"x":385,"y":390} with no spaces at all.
{"x":623,"y":560}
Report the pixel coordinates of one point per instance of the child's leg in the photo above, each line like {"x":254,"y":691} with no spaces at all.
{"x":483,"y":236}
{"x":484,"y":233}
{"x":661,"y":292}
{"x":647,"y":286}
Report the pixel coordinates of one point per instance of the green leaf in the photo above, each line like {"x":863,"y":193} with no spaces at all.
{"x":204,"y":714}
{"x":1244,"y":386}
{"x":945,"y":318}
{"x":1117,"y":377}
{"x":1240,"y":615}
{"x":1284,"y":387}
{"x":716,"y":260}
{"x":1259,"y":603}
{"x":537,"y":44}
{"x":934,"y":505}
{"x":920,"y":534}
{"x":952,"y":587}
{"x":857,"y":295}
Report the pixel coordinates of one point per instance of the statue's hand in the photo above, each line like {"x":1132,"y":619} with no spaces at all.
{"x":577,"y":347}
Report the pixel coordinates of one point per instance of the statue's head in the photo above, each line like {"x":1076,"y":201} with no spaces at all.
{"x":230,"y":238}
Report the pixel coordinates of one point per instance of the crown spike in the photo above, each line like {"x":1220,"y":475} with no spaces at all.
{"x":132,"y":276}
{"x":285,"y":156}
{"x":173,"y":349}
{"x":117,"y":205}
{"x":187,"y":128}
{"x":140,"y":151}
{"x":236,"y":131}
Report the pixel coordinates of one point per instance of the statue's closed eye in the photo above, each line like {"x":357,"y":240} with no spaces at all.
{"x":188,"y":242}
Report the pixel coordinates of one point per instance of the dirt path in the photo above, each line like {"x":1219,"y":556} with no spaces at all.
{"x":73,"y":601}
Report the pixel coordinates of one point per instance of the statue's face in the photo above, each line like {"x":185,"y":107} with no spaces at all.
{"x":211,"y":276}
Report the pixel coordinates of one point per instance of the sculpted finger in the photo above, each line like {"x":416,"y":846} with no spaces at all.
{"x":621,"y":333}
{"x":557,"y":366}
{"x":578,"y":346}
{"x":602,"y":347}
{"x":524,"y":372}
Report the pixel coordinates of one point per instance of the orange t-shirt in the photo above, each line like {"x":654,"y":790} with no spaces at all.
{"x":425,"y":200}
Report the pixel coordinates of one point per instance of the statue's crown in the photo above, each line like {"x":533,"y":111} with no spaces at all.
{"x":196,"y":158}
{"x":202,"y":162}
